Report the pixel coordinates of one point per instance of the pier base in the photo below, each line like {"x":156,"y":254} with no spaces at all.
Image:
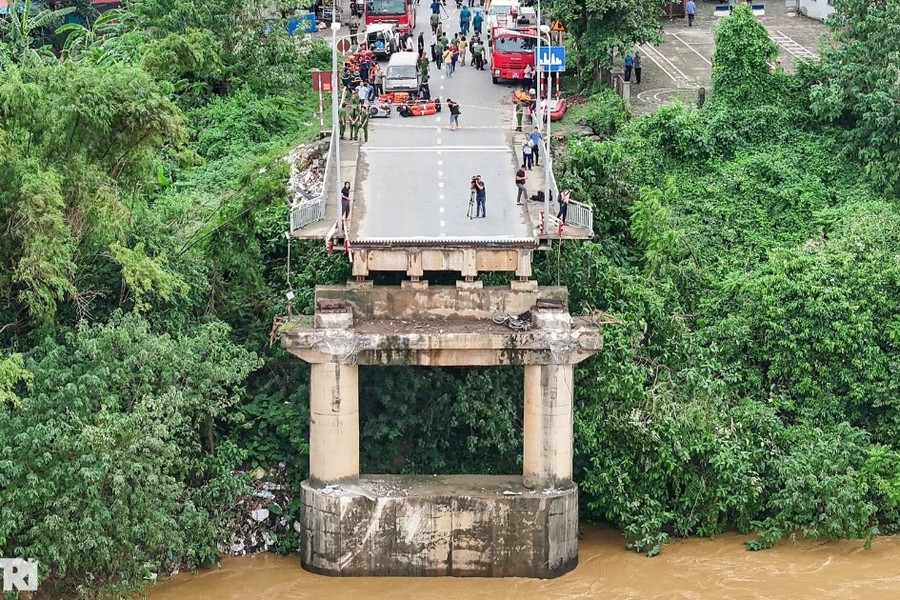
{"x":421,"y":525}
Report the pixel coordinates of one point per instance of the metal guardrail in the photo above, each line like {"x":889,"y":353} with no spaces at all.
{"x":304,"y":214}
{"x":579,"y":214}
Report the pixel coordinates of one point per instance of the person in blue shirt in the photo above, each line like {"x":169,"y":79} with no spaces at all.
{"x":476,"y":21}
{"x":689,"y":8}
{"x":464,"y":17}
{"x":538,"y":140}
{"x":436,"y":7}
{"x":629,"y":63}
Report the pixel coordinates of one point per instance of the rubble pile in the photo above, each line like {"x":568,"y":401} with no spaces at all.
{"x":307,"y":177}
{"x":263,"y":518}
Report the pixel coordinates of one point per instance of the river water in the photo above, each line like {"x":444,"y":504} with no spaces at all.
{"x":695,"y":569}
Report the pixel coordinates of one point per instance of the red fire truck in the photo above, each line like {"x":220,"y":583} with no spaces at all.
{"x":511,"y":50}
{"x":401,"y":13}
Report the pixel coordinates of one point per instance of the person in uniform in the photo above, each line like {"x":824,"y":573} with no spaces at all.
{"x":343,"y":119}
{"x":354,"y":122}
{"x":364,"y":123}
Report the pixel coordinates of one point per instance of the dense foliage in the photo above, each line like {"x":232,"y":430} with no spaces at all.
{"x":748,"y":253}
{"x":750,"y":380}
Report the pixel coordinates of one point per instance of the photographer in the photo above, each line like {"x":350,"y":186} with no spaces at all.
{"x":480,"y":196}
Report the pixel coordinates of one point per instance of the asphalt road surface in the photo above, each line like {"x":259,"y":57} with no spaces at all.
{"x":414,"y":173}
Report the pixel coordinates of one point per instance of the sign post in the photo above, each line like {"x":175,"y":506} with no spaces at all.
{"x":321,"y":81}
{"x":549,"y":59}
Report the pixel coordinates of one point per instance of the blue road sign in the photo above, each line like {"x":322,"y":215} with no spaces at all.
{"x":551,"y":59}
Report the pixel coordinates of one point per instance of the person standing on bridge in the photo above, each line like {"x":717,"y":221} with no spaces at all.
{"x":480,"y":197}
{"x":454,"y":114}
{"x":439,"y":53}
{"x":690,"y":8}
{"x":520,"y":183}
{"x":345,"y":200}
{"x":527,"y":151}
{"x":478,"y":55}
{"x":537,"y":141}
{"x":629,"y":63}
{"x":343,"y":119}
{"x":354,"y":121}
{"x":638,"y":63}
{"x":364,"y":123}
{"x":448,"y":62}
{"x":564,"y":198}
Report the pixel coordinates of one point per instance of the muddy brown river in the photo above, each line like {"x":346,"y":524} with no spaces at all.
{"x":695,"y":569}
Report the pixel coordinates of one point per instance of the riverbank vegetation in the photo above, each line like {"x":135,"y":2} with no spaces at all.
{"x":748,"y":251}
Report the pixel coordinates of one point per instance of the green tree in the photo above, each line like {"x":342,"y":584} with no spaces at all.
{"x":74,"y":138}
{"x":743,"y":52}
{"x":21,"y":24}
{"x":855,"y":86}
{"x":107,"y":467}
{"x":598,"y":26}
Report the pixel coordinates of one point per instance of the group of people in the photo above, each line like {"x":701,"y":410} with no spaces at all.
{"x":362,"y":77}
{"x":635,"y":62}
{"x":450,"y":52}
{"x":354,"y":116}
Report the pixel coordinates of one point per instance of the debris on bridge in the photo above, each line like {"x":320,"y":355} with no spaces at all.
{"x":307,"y":175}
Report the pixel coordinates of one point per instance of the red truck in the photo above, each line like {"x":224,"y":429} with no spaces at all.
{"x":400,"y":13}
{"x":512,"y":49}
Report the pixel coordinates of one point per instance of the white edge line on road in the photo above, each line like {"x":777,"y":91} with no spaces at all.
{"x":437,"y":148}
{"x":691,"y":48}
{"x":648,"y":49}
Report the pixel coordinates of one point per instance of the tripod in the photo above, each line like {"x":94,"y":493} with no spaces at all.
{"x":471,"y":211}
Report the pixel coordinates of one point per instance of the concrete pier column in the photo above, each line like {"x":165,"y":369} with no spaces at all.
{"x":333,"y":423}
{"x":548,"y":435}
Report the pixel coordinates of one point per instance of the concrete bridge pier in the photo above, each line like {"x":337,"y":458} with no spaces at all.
{"x":426,"y":525}
{"x":333,"y":423}
{"x":548,"y":428}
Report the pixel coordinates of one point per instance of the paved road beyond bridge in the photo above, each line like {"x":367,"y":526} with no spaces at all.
{"x":414,"y":173}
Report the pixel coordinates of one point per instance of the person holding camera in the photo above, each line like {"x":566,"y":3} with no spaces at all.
{"x":480,"y":196}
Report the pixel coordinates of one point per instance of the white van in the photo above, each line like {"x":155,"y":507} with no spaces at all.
{"x":402,"y":73}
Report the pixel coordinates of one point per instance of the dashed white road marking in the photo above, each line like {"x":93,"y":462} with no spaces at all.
{"x":792,"y":47}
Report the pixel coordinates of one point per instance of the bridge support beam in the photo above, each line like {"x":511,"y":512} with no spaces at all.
{"x":548,"y":430}
{"x":334,"y":424}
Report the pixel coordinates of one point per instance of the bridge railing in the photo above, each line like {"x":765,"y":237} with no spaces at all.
{"x":579,"y":214}
{"x":309,"y":211}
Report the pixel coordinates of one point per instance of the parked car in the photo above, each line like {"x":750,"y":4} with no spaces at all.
{"x":382,"y":39}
